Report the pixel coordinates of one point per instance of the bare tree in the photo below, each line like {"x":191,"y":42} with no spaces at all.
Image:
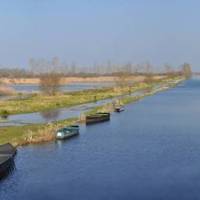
{"x":124,"y":80}
{"x":148,"y":70}
{"x":128,"y":68}
{"x":50,"y":83}
{"x":169,"y":71}
{"x":73,"y":68}
{"x":121,"y":79}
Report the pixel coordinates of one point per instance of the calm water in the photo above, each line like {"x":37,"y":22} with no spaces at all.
{"x":151,"y":151}
{"x":69,"y":87}
{"x":57,"y":114}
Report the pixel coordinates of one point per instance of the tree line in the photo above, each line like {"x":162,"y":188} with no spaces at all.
{"x":39,"y":67}
{"x":51,"y":72}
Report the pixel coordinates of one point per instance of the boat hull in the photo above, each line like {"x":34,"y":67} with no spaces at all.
{"x":67,"y":136}
{"x":7,"y":149}
{"x":6,"y":165}
{"x":119,"y":110}
{"x":97,"y":118}
{"x":67,"y":132}
{"x":7,"y":154}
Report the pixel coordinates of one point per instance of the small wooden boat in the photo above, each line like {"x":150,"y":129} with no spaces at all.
{"x":7,"y":153}
{"x":6,"y":165}
{"x":119,"y":109}
{"x":67,"y":132}
{"x":97,"y":118}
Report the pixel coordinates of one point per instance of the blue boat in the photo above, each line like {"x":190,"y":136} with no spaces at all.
{"x":67,"y":132}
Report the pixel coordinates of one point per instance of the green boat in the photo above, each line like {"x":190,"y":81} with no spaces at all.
{"x":67,"y":132}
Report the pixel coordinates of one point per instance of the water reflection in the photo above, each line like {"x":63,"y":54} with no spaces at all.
{"x":61,"y":143}
{"x":30,"y":88}
{"x":50,"y":115}
{"x":58,"y":114}
{"x":4,"y":117}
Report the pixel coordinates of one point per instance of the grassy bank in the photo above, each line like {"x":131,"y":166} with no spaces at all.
{"x":30,"y":134}
{"x":21,"y":135}
{"x":164,"y":85}
{"x":39,"y":102}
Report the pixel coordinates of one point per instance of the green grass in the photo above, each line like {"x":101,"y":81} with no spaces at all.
{"x":37,"y":103}
{"x":131,"y":99}
{"x":21,"y":135}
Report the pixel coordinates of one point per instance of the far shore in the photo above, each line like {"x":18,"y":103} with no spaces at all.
{"x":67,"y":80}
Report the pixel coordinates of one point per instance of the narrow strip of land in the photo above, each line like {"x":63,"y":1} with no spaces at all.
{"x":44,"y":132}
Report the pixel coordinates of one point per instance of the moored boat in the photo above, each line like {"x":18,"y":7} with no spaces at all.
{"x":7,"y":153}
{"x":67,"y":132}
{"x":7,"y":149}
{"x":6,"y":165}
{"x":119,"y":109}
{"x":97,"y":118}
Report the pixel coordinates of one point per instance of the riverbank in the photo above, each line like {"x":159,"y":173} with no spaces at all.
{"x":165,"y":85}
{"x":30,"y":134}
{"x":41,"y":102}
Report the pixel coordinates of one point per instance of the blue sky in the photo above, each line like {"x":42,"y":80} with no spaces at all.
{"x":95,"y":31}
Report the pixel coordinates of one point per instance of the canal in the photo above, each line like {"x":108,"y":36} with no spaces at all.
{"x":60,"y":114}
{"x":30,"y":88}
{"x":150,"y":151}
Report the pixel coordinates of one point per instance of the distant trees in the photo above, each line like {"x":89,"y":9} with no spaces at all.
{"x":123,"y":75}
{"x":42,"y":66}
{"x":38,"y":67}
{"x":49,"y":73}
{"x":122,"y":79}
{"x":168,"y":70}
{"x":148,"y":71}
{"x":13,"y":72}
{"x":186,"y":70}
